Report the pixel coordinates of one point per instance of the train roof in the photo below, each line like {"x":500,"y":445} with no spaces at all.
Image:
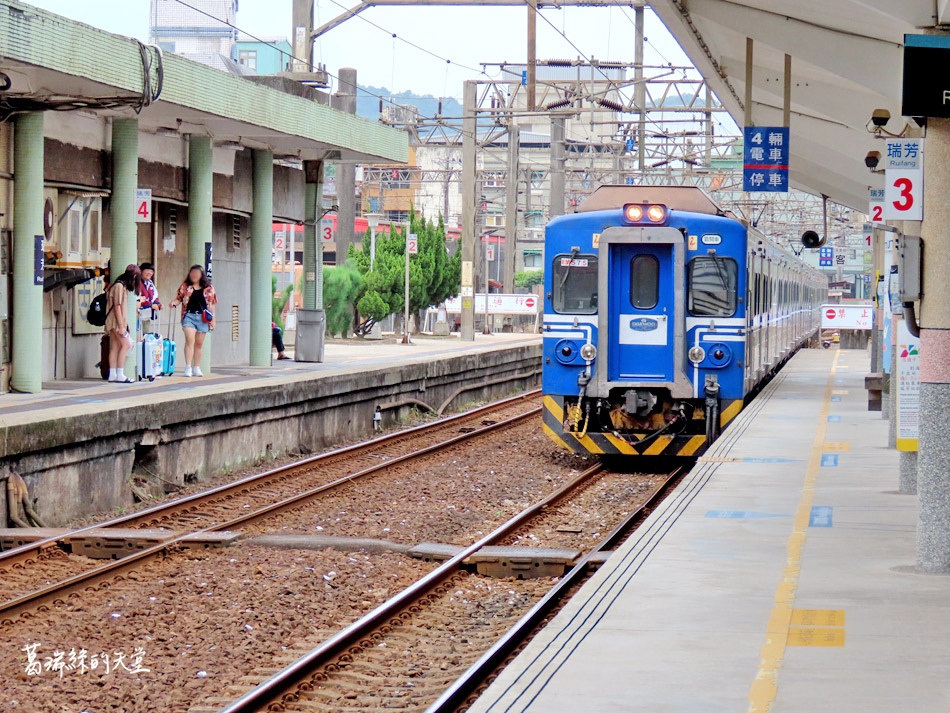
{"x":688,"y":198}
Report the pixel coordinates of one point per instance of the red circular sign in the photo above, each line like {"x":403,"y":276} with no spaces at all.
{"x":529,"y":302}
{"x":830,"y":314}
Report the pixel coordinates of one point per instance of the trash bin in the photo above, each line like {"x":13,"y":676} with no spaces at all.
{"x":311,"y":330}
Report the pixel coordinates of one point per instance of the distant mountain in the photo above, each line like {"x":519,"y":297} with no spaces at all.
{"x":367,"y":102}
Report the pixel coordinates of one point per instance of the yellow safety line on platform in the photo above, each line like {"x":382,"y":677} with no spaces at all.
{"x":730,"y":412}
{"x":764,"y":688}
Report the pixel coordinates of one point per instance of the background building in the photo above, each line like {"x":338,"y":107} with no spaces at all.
{"x":189,"y":33}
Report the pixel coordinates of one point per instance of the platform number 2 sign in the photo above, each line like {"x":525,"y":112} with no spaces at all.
{"x":143,"y":205}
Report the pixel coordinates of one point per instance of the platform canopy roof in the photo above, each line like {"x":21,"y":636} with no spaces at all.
{"x":53,"y":61}
{"x":846,"y":62}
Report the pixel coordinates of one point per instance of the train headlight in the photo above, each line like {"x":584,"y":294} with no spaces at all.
{"x":588,"y":352}
{"x":696,"y":354}
{"x":656,"y":213}
{"x":633,"y":213}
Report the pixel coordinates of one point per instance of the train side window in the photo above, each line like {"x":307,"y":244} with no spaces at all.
{"x":574,"y":278}
{"x":644,"y":281}
{"x":712,"y":286}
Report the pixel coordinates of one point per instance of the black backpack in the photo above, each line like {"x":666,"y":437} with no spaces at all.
{"x":96,"y":316}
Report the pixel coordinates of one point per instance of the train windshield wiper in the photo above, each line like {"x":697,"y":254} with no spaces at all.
{"x":567,"y":272}
{"x":719,"y":269}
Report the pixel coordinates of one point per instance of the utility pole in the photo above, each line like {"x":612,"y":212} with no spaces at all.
{"x":302,"y":44}
{"x":469,"y":127}
{"x":640,"y":89}
{"x":530,"y":80}
{"x":511,"y":208}
{"x":345,"y":100}
{"x":557,"y":167}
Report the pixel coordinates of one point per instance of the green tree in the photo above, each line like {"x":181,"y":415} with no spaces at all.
{"x":433,"y":275}
{"x":279,"y":301}
{"x":529,"y":279}
{"x":341,"y":287}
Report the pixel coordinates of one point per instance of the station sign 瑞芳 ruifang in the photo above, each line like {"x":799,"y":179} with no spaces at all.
{"x":926,"y":91}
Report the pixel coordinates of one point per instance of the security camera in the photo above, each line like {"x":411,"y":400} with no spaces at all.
{"x":880,"y":117}
{"x":811,"y":239}
{"x":872,"y":159}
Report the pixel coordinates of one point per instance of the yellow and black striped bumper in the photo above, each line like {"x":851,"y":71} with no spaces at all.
{"x":685,"y":445}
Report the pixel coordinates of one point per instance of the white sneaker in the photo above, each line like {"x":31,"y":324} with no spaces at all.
{"x":196,"y":371}
{"x":187,"y":371}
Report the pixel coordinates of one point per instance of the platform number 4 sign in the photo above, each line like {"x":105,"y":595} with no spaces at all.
{"x":143,"y":205}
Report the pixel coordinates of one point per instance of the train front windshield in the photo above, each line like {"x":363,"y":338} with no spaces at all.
{"x":712,"y":286}
{"x":575,"y":284}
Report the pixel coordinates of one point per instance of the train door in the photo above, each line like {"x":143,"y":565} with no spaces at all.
{"x":641,"y":312}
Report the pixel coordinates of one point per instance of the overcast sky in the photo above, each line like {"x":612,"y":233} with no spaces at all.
{"x":465,"y":35}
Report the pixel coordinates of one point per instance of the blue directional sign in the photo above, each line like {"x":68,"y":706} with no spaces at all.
{"x":524,"y":77}
{"x":765,"y":159}
{"x":631,"y":145}
{"x":826,"y":257}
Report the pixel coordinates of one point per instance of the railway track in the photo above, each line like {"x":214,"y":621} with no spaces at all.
{"x":416,"y":649}
{"x":235,"y":504}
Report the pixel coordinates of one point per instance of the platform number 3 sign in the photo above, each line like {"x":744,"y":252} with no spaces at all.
{"x":143,"y":205}
{"x":904,"y":180}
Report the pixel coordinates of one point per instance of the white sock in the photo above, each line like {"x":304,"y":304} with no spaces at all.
{"x":120,"y":374}
{"x":112,"y":373}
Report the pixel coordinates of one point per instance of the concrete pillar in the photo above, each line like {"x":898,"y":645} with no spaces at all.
{"x":27,"y":353}
{"x":511,"y":207}
{"x":469,"y":158}
{"x":261,"y":248}
{"x":345,"y":100}
{"x":125,"y":181}
{"x":557,"y":167}
{"x":200,"y":184}
{"x":933,"y":472}
{"x":908,"y":472}
{"x":877,"y":247}
{"x":311,"y":324}
{"x":313,"y":236}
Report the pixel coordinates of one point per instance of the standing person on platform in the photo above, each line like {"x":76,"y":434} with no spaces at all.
{"x":150,"y":304}
{"x":197,"y":299}
{"x":117,"y":322}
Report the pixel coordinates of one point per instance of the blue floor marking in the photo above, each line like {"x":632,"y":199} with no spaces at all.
{"x":771,"y":460}
{"x":829,"y":459}
{"x":836,"y":398}
{"x":741,"y":514}
{"x":834,"y":419}
{"x":821,"y":516}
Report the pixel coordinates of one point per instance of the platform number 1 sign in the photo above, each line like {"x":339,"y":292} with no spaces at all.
{"x":143,"y":205}
{"x":904,"y":180}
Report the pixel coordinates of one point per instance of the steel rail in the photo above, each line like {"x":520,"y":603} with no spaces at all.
{"x":55,"y":593}
{"x":277,"y":686}
{"x":31,"y":549}
{"x":477,"y":673}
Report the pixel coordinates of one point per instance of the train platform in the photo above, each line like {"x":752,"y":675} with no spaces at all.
{"x":779,"y":576}
{"x":85,"y":396}
{"x":88,"y":447}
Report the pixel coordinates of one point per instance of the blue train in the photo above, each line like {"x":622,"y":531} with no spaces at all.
{"x":662,"y":316}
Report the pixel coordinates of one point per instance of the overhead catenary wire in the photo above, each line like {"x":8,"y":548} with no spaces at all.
{"x":304,"y":61}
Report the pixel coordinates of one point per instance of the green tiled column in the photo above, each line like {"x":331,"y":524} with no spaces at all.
{"x":27,"y":315}
{"x":261,"y":248}
{"x":200,"y":184}
{"x":125,"y":180}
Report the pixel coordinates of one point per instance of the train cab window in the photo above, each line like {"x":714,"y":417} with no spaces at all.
{"x":644,"y":281}
{"x":712,"y":286}
{"x":574,"y":280}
